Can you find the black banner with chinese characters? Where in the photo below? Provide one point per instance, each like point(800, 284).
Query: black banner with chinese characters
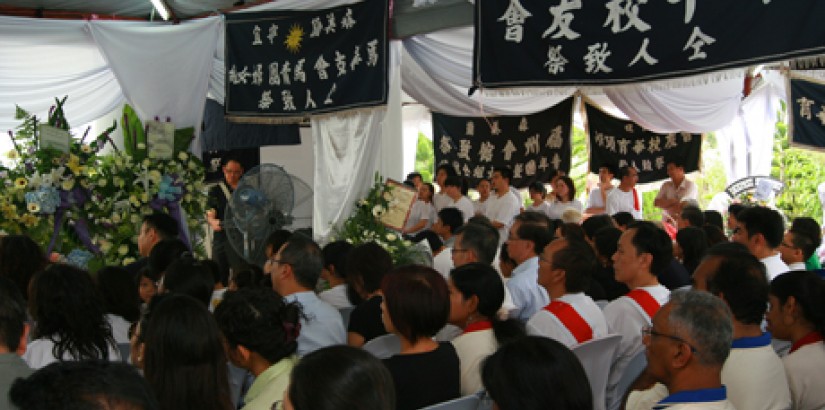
point(523, 43)
point(292, 64)
point(531, 145)
point(615, 143)
point(807, 98)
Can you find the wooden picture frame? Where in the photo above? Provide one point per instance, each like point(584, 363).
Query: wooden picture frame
point(400, 205)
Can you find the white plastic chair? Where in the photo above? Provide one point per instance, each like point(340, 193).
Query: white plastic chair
point(384, 346)
point(596, 356)
point(471, 402)
point(634, 368)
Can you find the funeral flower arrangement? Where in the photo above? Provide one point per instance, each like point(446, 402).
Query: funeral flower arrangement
point(364, 226)
point(87, 205)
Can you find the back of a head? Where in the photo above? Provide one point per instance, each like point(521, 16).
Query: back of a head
point(705, 321)
point(66, 306)
point(623, 218)
point(649, 238)
point(20, 258)
point(304, 255)
point(534, 218)
point(119, 292)
point(536, 373)
point(714, 218)
point(693, 215)
point(164, 253)
point(607, 241)
point(694, 243)
point(192, 277)
point(807, 235)
point(277, 239)
point(366, 266)
point(451, 217)
point(335, 256)
point(251, 277)
point(741, 279)
point(808, 289)
point(714, 234)
point(184, 354)
point(572, 231)
point(84, 385)
point(12, 315)
point(482, 239)
point(348, 377)
point(482, 281)
point(579, 263)
point(163, 224)
point(417, 301)
point(596, 222)
point(765, 221)
point(261, 321)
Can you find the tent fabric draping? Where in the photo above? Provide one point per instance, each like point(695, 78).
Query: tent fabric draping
point(41, 59)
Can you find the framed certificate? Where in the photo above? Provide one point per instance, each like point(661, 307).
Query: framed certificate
point(52, 137)
point(401, 202)
point(160, 138)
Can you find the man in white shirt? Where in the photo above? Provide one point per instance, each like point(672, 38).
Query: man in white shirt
point(597, 202)
point(673, 192)
point(452, 187)
point(761, 230)
point(800, 243)
point(565, 270)
point(643, 252)
point(483, 189)
point(625, 198)
point(503, 206)
point(527, 239)
point(440, 200)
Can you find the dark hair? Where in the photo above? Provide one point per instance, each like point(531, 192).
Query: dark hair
point(215, 269)
point(579, 264)
point(538, 235)
point(447, 168)
point(536, 373)
point(714, 218)
point(807, 235)
point(505, 172)
point(741, 278)
point(249, 277)
point(734, 209)
point(20, 258)
point(623, 218)
point(693, 215)
point(119, 293)
point(624, 171)
point(537, 186)
point(433, 240)
point(596, 222)
point(277, 239)
point(606, 241)
point(480, 238)
point(694, 243)
point(350, 378)
point(335, 256)
point(451, 217)
point(184, 359)
point(83, 385)
point(765, 221)
point(304, 255)
point(535, 218)
point(571, 230)
point(261, 321)
point(714, 234)
point(68, 311)
point(190, 276)
point(412, 175)
point(570, 186)
point(12, 314)
point(484, 282)
point(164, 253)
point(366, 266)
point(809, 291)
point(417, 301)
point(163, 224)
point(453, 181)
point(430, 187)
point(651, 239)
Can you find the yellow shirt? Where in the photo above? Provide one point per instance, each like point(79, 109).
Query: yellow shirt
point(270, 385)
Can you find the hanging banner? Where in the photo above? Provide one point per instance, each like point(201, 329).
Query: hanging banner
point(521, 43)
point(807, 108)
point(292, 64)
point(532, 146)
point(616, 143)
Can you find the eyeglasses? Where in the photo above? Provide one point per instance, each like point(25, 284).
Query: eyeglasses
point(647, 331)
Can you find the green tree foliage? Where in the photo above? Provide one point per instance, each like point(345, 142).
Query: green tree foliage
point(801, 170)
point(424, 158)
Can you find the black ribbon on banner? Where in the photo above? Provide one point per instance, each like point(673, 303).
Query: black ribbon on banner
point(807, 112)
point(615, 143)
point(573, 42)
point(291, 64)
point(532, 146)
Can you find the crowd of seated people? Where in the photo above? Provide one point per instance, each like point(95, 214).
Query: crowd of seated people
point(503, 315)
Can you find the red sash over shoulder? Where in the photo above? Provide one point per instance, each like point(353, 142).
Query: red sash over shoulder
point(571, 319)
point(645, 301)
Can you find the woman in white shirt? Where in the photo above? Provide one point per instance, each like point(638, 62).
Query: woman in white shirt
point(565, 198)
point(538, 194)
point(422, 212)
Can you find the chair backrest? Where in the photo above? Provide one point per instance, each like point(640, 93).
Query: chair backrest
point(596, 356)
point(345, 314)
point(471, 402)
point(634, 368)
point(384, 346)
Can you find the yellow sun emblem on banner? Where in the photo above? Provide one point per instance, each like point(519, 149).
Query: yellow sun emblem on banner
point(294, 38)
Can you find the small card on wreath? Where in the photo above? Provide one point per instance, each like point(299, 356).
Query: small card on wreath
point(53, 137)
point(160, 139)
point(401, 199)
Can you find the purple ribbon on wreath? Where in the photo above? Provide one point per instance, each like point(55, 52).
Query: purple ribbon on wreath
point(168, 197)
point(74, 197)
